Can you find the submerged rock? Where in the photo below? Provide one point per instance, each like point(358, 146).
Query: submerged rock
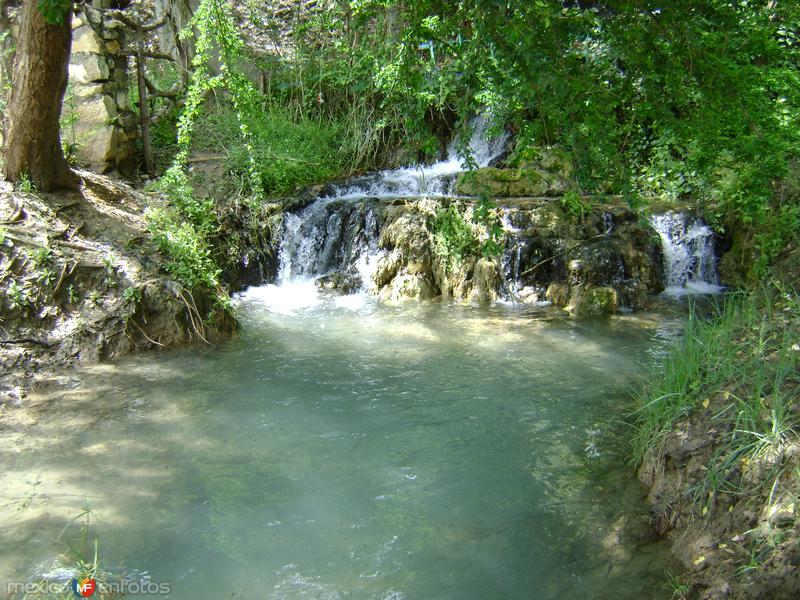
point(590, 301)
point(340, 283)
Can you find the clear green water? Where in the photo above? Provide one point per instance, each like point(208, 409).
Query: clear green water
point(358, 451)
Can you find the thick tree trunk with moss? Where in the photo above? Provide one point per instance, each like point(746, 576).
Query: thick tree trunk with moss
point(32, 140)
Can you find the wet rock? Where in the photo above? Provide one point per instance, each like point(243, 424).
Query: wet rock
point(507, 183)
point(408, 287)
point(594, 264)
point(485, 281)
point(387, 268)
point(589, 301)
point(340, 283)
point(558, 294)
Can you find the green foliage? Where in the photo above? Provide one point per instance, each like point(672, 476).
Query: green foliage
point(40, 256)
point(54, 11)
point(486, 215)
point(69, 118)
point(199, 212)
point(17, 295)
point(679, 588)
point(25, 183)
point(575, 205)
point(163, 134)
point(164, 75)
point(289, 152)
point(453, 236)
point(132, 294)
point(181, 230)
point(187, 249)
point(45, 277)
point(780, 227)
point(111, 267)
point(679, 100)
point(94, 297)
point(72, 294)
point(216, 30)
point(353, 67)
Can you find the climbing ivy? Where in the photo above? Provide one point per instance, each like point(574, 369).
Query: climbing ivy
point(213, 28)
point(182, 229)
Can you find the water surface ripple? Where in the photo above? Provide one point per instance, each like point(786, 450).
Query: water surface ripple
point(349, 450)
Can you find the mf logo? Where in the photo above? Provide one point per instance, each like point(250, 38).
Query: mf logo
point(84, 587)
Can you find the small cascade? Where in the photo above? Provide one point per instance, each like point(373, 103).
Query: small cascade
point(427, 180)
point(339, 234)
point(689, 258)
point(330, 236)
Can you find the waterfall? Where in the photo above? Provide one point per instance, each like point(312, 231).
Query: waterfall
point(689, 258)
point(427, 180)
point(340, 232)
point(329, 235)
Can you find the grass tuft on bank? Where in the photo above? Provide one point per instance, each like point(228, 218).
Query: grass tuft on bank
point(744, 351)
point(717, 438)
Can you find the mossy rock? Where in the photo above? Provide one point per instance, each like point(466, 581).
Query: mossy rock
point(558, 293)
point(589, 301)
point(555, 161)
point(508, 183)
point(735, 264)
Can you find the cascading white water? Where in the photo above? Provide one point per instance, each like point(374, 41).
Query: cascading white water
point(329, 235)
point(427, 180)
point(340, 232)
point(690, 263)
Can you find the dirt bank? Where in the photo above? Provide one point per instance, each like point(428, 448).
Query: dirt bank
point(81, 281)
point(724, 480)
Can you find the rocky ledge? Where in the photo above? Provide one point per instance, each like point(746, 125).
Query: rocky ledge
point(592, 263)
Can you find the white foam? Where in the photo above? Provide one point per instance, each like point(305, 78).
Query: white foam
point(429, 180)
point(286, 299)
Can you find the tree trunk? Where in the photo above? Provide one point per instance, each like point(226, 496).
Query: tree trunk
point(6, 59)
point(33, 140)
point(144, 105)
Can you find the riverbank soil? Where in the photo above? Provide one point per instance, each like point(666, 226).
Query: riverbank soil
point(80, 280)
point(724, 479)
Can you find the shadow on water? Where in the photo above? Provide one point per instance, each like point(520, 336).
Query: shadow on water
point(365, 452)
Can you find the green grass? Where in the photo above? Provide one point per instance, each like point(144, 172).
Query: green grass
point(81, 556)
point(679, 588)
point(738, 363)
point(289, 151)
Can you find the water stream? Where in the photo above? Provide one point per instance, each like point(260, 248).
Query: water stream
point(344, 449)
point(428, 180)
